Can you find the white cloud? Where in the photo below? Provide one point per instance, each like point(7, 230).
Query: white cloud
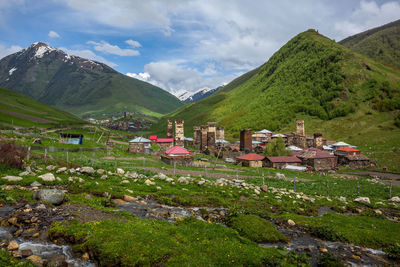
point(86, 53)
point(133, 43)
point(107, 48)
point(369, 14)
point(177, 78)
point(5, 51)
point(53, 34)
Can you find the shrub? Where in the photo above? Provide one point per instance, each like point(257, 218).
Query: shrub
point(326, 233)
point(393, 251)
point(11, 156)
point(327, 259)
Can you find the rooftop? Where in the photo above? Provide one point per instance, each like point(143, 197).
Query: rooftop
point(251, 156)
point(284, 159)
point(177, 150)
point(140, 140)
point(348, 149)
point(314, 153)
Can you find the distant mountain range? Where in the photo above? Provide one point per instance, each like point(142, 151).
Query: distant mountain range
point(190, 97)
point(381, 44)
point(81, 86)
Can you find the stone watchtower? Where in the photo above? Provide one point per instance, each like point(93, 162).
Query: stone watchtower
point(300, 127)
point(318, 141)
point(246, 141)
point(211, 135)
point(196, 136)
point(170, 131)
point(179, 134)
point(220, 133)
point(203, 139)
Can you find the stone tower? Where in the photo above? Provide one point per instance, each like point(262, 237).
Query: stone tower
point(211, 135)
point(203, 141)
point(220, 133)
point(300, 127)
point(179, 134)
point(246, 142)
point(196, 136)
point(318, 141)
point(170, 131)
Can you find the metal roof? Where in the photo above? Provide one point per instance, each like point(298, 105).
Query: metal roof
point(140, 140)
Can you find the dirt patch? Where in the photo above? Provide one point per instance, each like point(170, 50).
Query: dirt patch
point(25, 116)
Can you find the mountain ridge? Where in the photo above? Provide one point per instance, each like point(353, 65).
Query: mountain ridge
point(79, 85)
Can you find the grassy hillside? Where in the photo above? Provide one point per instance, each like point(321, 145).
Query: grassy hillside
point(80, 86)
point(19, 110)
point(310, 77)
point(381, 44)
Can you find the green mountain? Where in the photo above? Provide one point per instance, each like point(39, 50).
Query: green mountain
point(381, 44)
point(80, 86)
point(21, 111)
point(311, 78)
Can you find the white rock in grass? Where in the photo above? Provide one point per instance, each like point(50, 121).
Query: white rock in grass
point(200, 183)
point(148, 182)
point(256, 191)
point(364, 200)
point(100, 171)
point(125, 182)
point(342, 199)
point(50, 168)
point(87, 170)
point(104, 177)
point(291, 222)
point(48, 177)
point(120, 171)
point(62, 169)
point(168, 179)
point(25, 173)
point(395, 199)
point(11, 178)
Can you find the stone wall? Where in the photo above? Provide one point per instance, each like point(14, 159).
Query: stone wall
point(179, 133)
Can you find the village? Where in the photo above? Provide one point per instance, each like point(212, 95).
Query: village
point(303, 152)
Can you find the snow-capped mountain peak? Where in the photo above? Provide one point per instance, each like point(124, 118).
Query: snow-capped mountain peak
point(197, 95)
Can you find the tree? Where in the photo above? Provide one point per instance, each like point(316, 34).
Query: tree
point(276, 148)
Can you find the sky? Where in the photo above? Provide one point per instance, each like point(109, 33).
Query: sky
point(182, 45)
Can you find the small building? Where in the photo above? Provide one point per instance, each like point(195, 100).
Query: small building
point(356, 162)
point(339, 145)
point(165, 143)
point(262, 136)
point(317, 159)
point(251, 160)
point(347, 151)
point(188, 141)
point(153, 139)
point(293, 149)
point(282, 161)
point(140, 145)
point(70, 138)
point(177, 155)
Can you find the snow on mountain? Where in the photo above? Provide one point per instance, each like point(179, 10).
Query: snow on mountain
point(10, 72)
point(201, 93)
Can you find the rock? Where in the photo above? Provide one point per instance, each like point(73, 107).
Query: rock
point(125, 182)
point(256, 191)
point(364, 200)
point(356, 257)
point(158, 187)
point(35, 259)
point(36, 184)
point(169, 179)
point(129, 198)
point(26, 253)
point(104, 177)
point(379, 212)
point(41, 207)
point(342, 199)
point(200, 183)
point(264, 188)
point(395, 199)
point(129, 191)
point(148, 182)
point(162, 176)
point(50, 168)
point(25, 173)
point(53, 196)
point(35, 235)
point(80, 180)
point(280, 175)
point(183, 180)
point(48, 177)
point(72, 171)
point(100, 171)
point(87, 170)
point(59, 179)
point(13, 221)
point(118, 201)
point(11, 178)
point(120, 171)
point(13, 245)
point(62, 169)
point(323, 250)
point(85, 256)
point(291, 222)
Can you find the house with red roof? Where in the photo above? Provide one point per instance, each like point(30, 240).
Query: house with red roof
point(347, 151)
point(352, 158)
point(165, 143)
point(317, 159)
point(177, 155)
point(251, 160)
point(282, 161)
point(153, 139)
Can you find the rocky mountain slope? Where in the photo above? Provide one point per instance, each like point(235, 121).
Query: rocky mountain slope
point(81, 86)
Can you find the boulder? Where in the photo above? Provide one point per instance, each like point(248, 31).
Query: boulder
point(120, 171)
point(35, 259)
point(256, 191)
point(125, 182)
point(25, 173)
point(148, 182)
point(291, 222)
point(53, 196)
point(13, 245)
point(48, 177)
point(280, 175)
point(168, 179)
point(11, 178)
point(36, 184)
point(104, 177)
point(129, 198)
point(87, 170)
point(162, 176)
point(200, 183)
point(364, 200)
point(62, 169)
point(50, 168)
point(100, 171)
point(118, 201)
point(264, 188)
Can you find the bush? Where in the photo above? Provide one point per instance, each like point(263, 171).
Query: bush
point(330, 260)
point(393, 251)
point(326, 233)
point(11, 156)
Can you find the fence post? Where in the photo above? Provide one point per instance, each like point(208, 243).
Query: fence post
point(174, 168)
point(45, 155)
point(237, 174)
point(358, 188)
point(115, 163)
point(205, 171)
point(390, 189)
point(93, 159)
point(29, 154)
point(144, 164)
point(327, 188)
point(294, 184)
point(263, 178)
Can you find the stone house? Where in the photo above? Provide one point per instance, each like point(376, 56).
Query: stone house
point(177, 155)
point(282, 162)
point(140, 145)
point(251, 160)
point(356, 162)
point(165, 143)
point(317, 159)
